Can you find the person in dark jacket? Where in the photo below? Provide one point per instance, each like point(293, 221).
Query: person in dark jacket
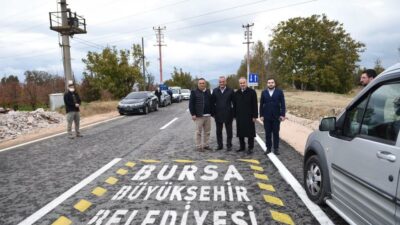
point(272, 112)
point(246, 113)
point(222, 108)
point(200, 109)
point(72, 102)
point(169, 91)
point(157, 93)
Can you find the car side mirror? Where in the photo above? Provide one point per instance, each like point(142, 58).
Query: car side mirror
point(328, 124)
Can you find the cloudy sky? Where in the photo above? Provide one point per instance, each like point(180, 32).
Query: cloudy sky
point(203, 37)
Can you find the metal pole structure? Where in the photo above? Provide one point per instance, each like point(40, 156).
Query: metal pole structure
point(160, 40)
point(247, 35)
point(144, 65)
point(65, 45)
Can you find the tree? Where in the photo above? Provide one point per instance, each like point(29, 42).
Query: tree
point(38, 86)
point(115, 71)
point(314, 53)
point(259, 64)
point(88, 90)
point(232, 81)
point(378, 66)
point(180, 78)
point(10, 92)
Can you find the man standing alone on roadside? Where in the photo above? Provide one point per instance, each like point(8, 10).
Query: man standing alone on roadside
point(272, 112)
point(72, 103)
point(222, 107)
point(367, 76)
point(200, 109)
point(158, 94)
point(246, 113)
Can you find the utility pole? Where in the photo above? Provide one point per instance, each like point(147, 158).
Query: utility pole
point(144, 65)
point(160, 42)
point(67, 24)
point(248, 35)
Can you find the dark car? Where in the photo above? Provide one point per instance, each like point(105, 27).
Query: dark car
point(138, 102)
point(165, 99)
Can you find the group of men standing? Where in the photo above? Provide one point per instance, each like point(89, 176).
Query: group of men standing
point(225, 105)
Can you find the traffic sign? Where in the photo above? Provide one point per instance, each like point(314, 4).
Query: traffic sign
point(253, 79)
point(163, 87)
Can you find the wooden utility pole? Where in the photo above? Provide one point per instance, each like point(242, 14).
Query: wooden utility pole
point(248, 36)
point(160, 43)
point(144, 65)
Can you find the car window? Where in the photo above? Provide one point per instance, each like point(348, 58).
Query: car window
point(137, 95)
point(353, 119)
point(382, 114)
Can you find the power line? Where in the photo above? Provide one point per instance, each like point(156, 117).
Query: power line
point(143, 12)
point(231, 18)
point(188, 18)
point(89, 43)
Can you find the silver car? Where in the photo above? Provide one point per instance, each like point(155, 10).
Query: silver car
point(352, 162)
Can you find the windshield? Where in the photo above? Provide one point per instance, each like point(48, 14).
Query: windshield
point(137, 95)
point(175, 91)
point(185, 91)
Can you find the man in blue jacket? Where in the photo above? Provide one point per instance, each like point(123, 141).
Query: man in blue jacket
point(272, 112)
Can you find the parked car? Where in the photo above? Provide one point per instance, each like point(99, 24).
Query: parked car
point(352, 162)
point(138, 102)
point(186, 94)
point(176, 95)
point(165, 99)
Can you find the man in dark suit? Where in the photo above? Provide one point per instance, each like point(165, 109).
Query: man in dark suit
point(246, 113)
point(272, 112)
point(222, 108)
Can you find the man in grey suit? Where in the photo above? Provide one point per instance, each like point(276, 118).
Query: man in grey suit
point(222, 108)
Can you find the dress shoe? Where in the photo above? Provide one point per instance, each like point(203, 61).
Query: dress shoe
point(207, 148)
point(198, 149)
point(240, 150)
point(276, 152)
point(250, 151)
point(219, 148)
point(229, 148)
point(79, 135)
point(267, 152)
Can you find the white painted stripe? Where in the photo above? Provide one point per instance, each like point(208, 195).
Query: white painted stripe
point(55, 135)
point(169, 123)
point(53, 204)
point(296, 186)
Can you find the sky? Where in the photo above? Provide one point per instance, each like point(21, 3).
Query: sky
point(203, 37)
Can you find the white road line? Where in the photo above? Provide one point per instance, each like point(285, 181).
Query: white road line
point(170, 122)
point(53, 204)
point(289, 178)
point(55, 135)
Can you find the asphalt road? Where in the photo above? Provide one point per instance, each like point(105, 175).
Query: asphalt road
point(129, 171)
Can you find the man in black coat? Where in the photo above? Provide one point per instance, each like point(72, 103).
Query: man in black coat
point(72, 102)
point(272, 112)
point(246, 113)
point(222, 107)
point(157, 93)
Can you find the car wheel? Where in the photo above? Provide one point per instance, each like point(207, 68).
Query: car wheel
point(314, 180)
point(146, 110)
point(120, 113)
